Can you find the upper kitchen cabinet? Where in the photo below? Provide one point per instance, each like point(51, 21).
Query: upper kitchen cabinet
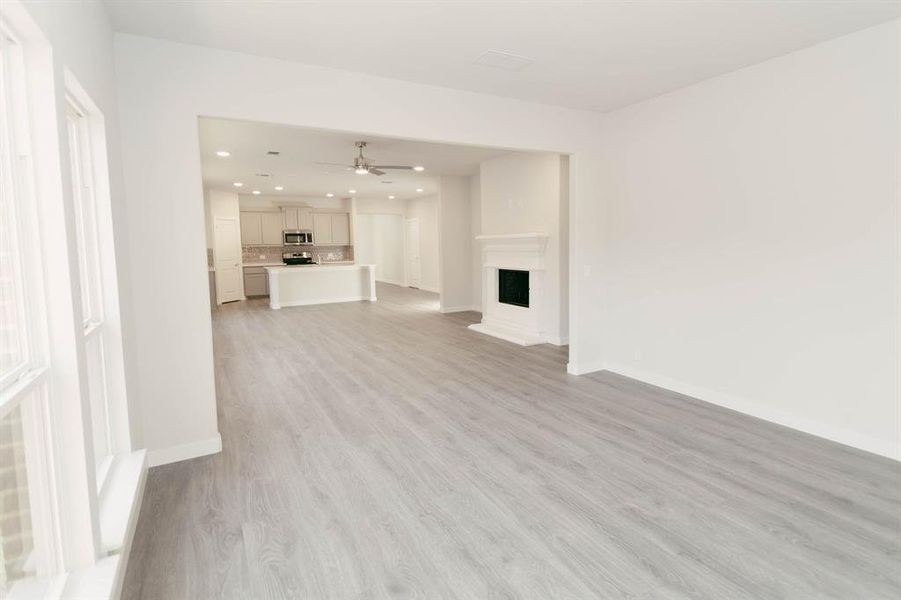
point(322, 228)
point(331, 229)
point(273, 225)
point(341, 229)
point(262, 228)
point(251, 229)
point(298, 217)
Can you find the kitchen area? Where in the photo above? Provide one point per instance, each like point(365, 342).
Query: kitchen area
point(285, 249)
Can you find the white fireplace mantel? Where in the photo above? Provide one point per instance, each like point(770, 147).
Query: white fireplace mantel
point(522, 252)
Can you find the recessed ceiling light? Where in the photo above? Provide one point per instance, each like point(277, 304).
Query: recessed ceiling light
point(255, 192)
point(390, 197)
point(223, 153)
point(351, 191)
point(279, 188)
point(420, 190)
point(238, 184)
point(419, 168)
point(330, 195)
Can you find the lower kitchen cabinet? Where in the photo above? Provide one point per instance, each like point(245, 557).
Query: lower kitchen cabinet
point(256, 281)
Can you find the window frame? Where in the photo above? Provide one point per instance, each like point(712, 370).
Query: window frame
point(27, 387)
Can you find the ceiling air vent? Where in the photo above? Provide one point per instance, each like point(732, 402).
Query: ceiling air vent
point(503, 60)
point(273, 153)
point(263, 175)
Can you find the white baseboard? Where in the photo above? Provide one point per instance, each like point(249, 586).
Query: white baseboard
point(558, 340)
point(428, 289)
point(164, 456)
point(457, 309)
point(391, 281)
point(584, 367)
point(841, 435)
point(506, 333)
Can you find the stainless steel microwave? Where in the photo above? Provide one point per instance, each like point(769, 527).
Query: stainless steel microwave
point(298, 237)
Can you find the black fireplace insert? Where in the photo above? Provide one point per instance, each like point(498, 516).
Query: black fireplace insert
point(513, 287)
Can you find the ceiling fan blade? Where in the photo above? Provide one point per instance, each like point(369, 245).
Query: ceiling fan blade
point(375, 171)
point(390, 167)
point(334, 164)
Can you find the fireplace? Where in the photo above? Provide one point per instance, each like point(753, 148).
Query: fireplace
point(513, 287)
point(514, 307)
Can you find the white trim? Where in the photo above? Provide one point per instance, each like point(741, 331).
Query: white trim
point(557, 340)
point(456, 309)
point(391, 281)
point(841, 435)
point(117, 501)
point(164, 456)
point(425, 289)
point(575, 368)
point(508, 333)
point(533, 235)
point(130, 527)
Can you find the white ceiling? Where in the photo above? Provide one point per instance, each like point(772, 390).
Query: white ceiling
point(592, 55)
point(300, 149)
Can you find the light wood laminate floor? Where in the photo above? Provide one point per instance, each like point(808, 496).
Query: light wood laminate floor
point(385, 451)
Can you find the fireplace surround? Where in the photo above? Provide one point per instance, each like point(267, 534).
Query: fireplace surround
point(513, 271)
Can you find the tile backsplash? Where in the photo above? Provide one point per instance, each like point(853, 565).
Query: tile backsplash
point(258, 254)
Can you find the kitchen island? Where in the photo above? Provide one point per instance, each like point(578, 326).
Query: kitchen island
point(301, 285)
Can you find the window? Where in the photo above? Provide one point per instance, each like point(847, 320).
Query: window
point(84, 200)
point(28, 539)
point(63, 411)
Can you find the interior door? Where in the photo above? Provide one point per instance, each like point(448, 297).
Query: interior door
point(227, 260)
point(414, 263)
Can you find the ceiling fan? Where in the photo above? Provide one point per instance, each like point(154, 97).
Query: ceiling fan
point(364, 166)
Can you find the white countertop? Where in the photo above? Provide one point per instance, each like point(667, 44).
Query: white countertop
point(323, 267)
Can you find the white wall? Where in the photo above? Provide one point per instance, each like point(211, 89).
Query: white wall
point(381, 206)
point(426, 210)
point(734, 123)
point(272, 202)
point(380, 241)
point(187, 81)
point(475, 225)
point(521, 193)
point(752, 240)
point(455, 242)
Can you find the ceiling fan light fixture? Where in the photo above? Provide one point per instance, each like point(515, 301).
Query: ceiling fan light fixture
point(361, 171)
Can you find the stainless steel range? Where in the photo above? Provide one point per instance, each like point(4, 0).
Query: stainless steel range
point(297, 258)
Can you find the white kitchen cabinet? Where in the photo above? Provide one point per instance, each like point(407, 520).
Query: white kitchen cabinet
point(341, 229)
point(305, 217)
point(322, 229)
point(290, 213)
point(262, 228)
point(256, 281)
point(251, 229)
point(272, 224)
point(298, 217)
point(331, 229)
